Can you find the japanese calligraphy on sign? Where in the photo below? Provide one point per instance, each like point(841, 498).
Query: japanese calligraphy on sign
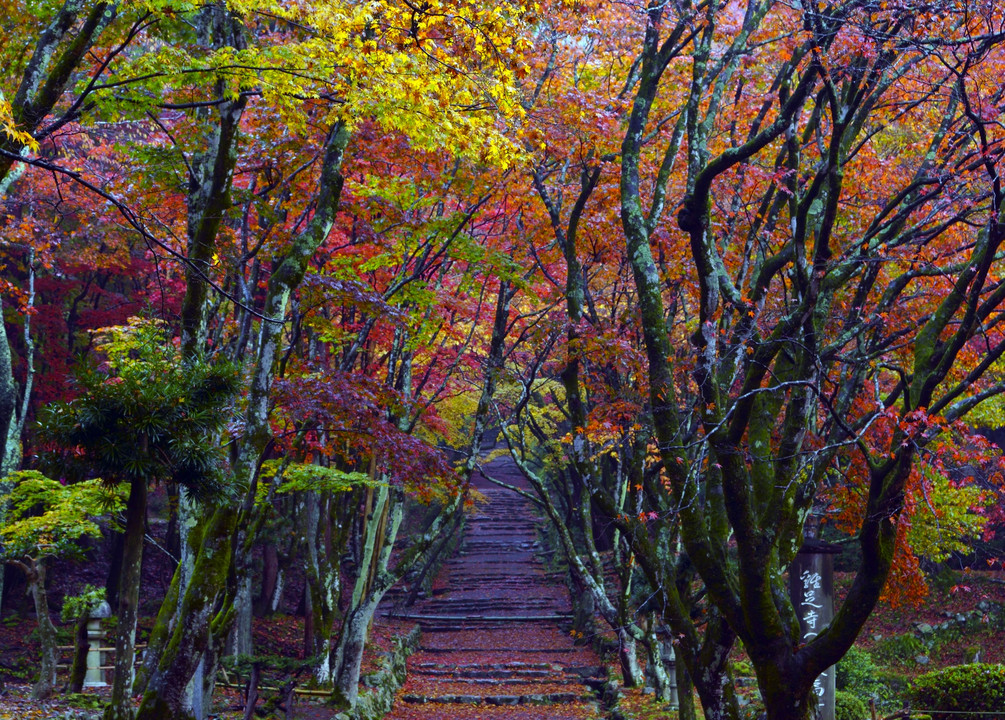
point(811, 591)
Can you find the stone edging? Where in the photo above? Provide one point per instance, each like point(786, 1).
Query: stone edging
point(381, 686)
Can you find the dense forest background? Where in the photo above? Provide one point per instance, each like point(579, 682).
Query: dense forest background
point(717, 277)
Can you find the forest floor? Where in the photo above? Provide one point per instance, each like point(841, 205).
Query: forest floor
point(492, 646)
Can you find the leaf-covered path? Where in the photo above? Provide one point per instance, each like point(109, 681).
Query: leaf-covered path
point(491, 646)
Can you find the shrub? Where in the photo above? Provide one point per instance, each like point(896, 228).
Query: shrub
point(892, 686)
point(856, 672)
point(743, 668)
point(849, 707)
point(900, 649)
point(979, 687)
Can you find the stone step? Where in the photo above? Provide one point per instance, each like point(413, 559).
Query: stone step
point(529, 699)
point(537, 670)
point(547, 679)
point(513, 665)
point(532, 651)
point(492, 642)
point(487, 673)
point(482, 618)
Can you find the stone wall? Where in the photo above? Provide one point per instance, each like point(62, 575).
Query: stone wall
point(379, 688)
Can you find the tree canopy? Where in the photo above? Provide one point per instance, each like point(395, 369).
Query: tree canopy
point(726, 276)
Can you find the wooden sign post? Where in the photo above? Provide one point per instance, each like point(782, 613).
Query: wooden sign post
point(811, 588)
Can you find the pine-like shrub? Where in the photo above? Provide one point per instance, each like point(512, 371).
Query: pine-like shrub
point(849, 707)
point(978, 687)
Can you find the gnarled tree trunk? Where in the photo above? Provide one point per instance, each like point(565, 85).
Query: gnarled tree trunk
point(120, 704)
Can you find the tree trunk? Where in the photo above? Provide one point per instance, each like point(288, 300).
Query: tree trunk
point(120, 704)
point(660, 667)
point(310, 640)
point(712, 676)
point(379, 531)
point(349, 656)
point(321, 577)
point(263, 604)
point(631, 673)
point(251, 692)
point(685, 695)
point(81, 645)
point(172, 539)
point(420, 578)
point(584, 606)
point(783, 699)
point(11, 420)
point(8, 400)
point(192, 521)
point(240, 640)
point(113, 580)
point(276, 597)
point(160, 634)
point(168, 693)
point(46, 633)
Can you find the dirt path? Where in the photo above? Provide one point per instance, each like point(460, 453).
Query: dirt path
point(491, 646)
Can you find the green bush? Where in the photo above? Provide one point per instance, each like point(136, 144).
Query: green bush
point(858, 674)
point(979, 687)
point(892, 686)
point(900, 649)
point(743, 668)
point(849, 707)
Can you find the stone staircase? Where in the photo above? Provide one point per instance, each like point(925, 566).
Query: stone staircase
point(491, 643)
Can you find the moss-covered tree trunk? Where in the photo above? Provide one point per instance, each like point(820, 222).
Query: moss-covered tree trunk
point(167, 695)
point(81, 646)
point(35, 572)
point(14, 405)
point(120, 704)
point(160, 633)
point(320, 565)
point(685, 694)
point(349, 654)
point(8, 401)
point(631, 671)
point(204, 612)
point(660, 672)
point(380, 530)
point(711, 674)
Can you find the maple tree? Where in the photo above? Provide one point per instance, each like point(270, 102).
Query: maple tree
point(806, 347)
point(44, 521)
point(602, 469)
point(32, 108)
point(718, 270)
point(207, 596)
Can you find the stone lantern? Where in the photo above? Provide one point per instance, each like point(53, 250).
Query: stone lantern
point(95, 676)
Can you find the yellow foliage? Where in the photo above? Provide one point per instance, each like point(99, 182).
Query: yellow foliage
point(9, 126)
point(946, 519)
point(441, 74)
